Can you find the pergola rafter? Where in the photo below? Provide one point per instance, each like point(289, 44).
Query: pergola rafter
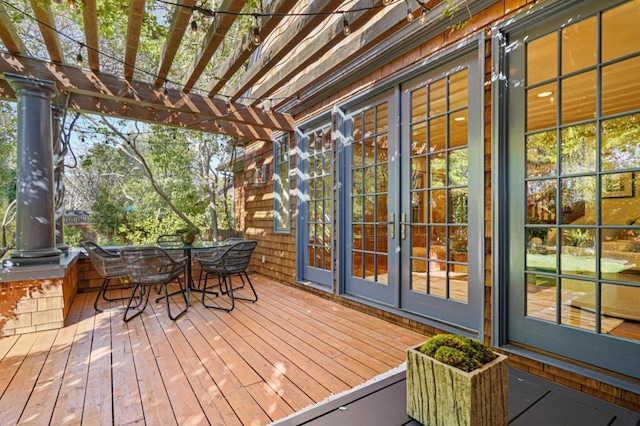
point(91, 33)
point(283, 45)
point(136, 12)
point(8, 33)
point(179, 25)
point(42, 12)
point(246, 48)
point(215, 35)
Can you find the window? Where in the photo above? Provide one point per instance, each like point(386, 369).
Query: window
point(281, 185)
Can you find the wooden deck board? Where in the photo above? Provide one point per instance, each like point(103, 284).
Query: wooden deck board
point(257, 364)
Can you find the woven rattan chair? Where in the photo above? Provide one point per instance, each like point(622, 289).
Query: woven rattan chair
point(149, 266)
point(109, 266)
point(224, 262)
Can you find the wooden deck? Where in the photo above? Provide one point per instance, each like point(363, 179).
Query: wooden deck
point(257, 364)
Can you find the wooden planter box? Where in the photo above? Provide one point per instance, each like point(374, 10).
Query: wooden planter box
point(438, 394)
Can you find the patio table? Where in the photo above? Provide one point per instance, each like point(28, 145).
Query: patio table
point(187, 250)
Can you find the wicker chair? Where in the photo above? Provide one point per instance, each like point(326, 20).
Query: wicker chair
point(109, 266)
point(223, 262)
point(149, 266)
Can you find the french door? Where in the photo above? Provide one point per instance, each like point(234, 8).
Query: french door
point(414, 196)
point(315, 209)
point(573, 140)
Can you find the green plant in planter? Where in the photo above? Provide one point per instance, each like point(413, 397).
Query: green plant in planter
point(458, 351)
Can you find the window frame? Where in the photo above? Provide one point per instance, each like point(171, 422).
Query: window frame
point(279, 188)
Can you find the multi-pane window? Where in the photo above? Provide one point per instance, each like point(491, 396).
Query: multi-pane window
point(439, 187)
point(369, 192)
point(320, 210)
point(582, 136)
point(281, 185)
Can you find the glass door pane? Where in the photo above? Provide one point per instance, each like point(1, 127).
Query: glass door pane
point(370, 176)
point(318, 261)
point(579, 139)
point(435, 219)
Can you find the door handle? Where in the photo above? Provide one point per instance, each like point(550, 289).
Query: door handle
point(403, 226)
point(392, 223)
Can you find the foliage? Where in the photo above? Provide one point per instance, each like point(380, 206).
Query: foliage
point(464, 353)
point(72, 236)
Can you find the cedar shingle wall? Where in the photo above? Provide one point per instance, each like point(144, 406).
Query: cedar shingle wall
point(279, 250)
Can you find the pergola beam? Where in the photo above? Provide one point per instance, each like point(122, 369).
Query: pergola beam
point(42, 12)
point(179, 24)
point(284, 44)
point(90, 18)
point(246, 47)
point(215, 35)
point(136, 12)
point(112, 108)
point(8, 33)
point(317, 47)
point(104, 86)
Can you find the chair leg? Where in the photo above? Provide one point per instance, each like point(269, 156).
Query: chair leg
point(166, 295)
point(101, 291)
point(255, 295)
point(143, 291)
point(205, 292)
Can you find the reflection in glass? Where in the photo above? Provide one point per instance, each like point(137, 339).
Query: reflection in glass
point(419, 138)
point(438, 170)
point(437, 279)
point(381, 268)
point(418, 240)
point(542, 154)
point(418, 172)
point(579, 45)
point(382, 149)
point(437, 134)
point(437, 239)
point(541, 107)
point(356, 161)
point(357, 127)
point(368, 123)
point(369, 152)
point(458, 205)
point(438, 206)
point(578, 198)
point(382, 182)
point(437, 97)
point(357, 187)
point(458, 92)
point(620, 254)
point(381, 239)
point(381, 210)
point(458, 283)
point(356, 266)
point(369, 266)
point(458, 167)
point(578, 252)
point(382, 118)
point(458, 129)
point(541, 201)
point(620, 30)
point(572, 292)
point(458, 243)
point(418, 105)
point(541, 297)
point(542, 59)
point(419, 277)
point(617, 96)
point(579, 97)
point(619, 303)
point(356, 211)
point(620, 143)
point(578, 147)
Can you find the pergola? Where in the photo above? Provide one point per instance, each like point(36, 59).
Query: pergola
point(222, 107)
point(303, 48)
